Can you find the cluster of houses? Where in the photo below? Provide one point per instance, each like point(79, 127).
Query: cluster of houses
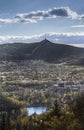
point(32, 82)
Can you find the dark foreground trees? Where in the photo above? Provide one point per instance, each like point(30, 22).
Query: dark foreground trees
point(78, 109)
point(55, 119)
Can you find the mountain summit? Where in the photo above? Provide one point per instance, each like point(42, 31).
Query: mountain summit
point(45, 41)
point(43, 50)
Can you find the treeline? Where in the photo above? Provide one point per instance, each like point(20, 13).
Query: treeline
point(8, 104)
point(69, 118)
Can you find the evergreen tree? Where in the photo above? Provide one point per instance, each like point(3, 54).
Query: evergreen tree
point(56, 109)
point(3, 122)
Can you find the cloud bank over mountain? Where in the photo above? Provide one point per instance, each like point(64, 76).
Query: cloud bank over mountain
point(66, 38)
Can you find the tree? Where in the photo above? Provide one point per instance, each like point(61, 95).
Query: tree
point(3, 122)
point(56, 109)
point(78, 109)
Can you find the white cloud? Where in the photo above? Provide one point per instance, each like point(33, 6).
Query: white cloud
point(33, 17)
point(5, 21)
point(50, 13)
point(78, 26)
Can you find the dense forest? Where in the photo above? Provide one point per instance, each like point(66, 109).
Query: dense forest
point(71, 117)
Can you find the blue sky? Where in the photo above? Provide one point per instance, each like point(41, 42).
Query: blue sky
point(60, 21)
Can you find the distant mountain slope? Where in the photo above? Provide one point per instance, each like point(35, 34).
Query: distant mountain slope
point(16, 51)
point(44, 50)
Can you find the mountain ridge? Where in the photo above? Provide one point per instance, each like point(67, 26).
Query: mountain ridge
point(43, 50)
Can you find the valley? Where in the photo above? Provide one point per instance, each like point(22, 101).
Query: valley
point(41, 86)
point(38, 83)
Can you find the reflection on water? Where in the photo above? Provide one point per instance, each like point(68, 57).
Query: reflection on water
point(37, 110)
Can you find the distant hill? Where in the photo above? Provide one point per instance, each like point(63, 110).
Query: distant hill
point(43, 50)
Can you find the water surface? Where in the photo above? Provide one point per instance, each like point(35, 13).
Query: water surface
point(37, 110)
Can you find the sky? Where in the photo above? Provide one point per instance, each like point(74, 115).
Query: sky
point(60, 21)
